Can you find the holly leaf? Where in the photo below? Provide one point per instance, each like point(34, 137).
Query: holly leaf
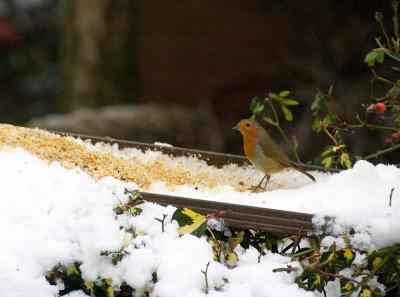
point(190, 221)
point(346, 286)
point(345, 160)
point(89, 285)
point(316, 282)
point(231, 259)
point(327, 162)
point(346, 257)
point(365, 292)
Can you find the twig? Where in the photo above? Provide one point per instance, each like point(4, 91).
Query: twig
point(337, 275)
point(387, 97)
point(283, 134)
point(162, 222)
point(303, 253)
point(206, 276)
point(331, 137)
point(391, 288)
point(390, 198)
point(382, 152)
point(382, 79)
point(297, 240)
point(287, 269)
point(379, 19)
point(365, 125)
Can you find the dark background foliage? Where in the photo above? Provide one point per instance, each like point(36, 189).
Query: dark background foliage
point(208, 57)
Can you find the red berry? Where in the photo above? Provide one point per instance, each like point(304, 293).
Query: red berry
point(380, 107)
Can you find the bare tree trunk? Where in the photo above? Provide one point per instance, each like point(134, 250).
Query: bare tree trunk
point(97, 59)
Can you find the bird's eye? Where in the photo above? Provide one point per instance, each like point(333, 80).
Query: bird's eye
point(247, 124)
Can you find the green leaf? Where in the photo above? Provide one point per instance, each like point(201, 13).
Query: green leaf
point(377, 292)
point(256, 107)
point(316, 282)
point(288, 102)
point(71, 270)
point(347, 255)
point(337, 148)
point(231, 259)
point(190, 221)
point(346, 286)
point(370, 58)
point(327, 151)
point(327, 162)
point(89, 285)
point(287, 113)
point(328, 119)
point(376, 55)
point(365, 292)
point(316, 103)
point(110, 292)
point(274, 96)
point(235, 241)
point(345, 160)
point(380, 57)
point(284, 93)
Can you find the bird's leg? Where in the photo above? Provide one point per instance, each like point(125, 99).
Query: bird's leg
point(266, 182)
point(259, 187)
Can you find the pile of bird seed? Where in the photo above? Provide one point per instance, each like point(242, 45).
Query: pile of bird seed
point(131, 165)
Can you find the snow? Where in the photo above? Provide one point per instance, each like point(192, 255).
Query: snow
point(357, 199)
point(51, 215)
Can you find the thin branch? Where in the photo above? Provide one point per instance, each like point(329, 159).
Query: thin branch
point(283, 134)
point(337, 275)
point(162, 222)
point(381, 78)
point(382, 152)
point(331, 137)
point(296, 242)
point(390, 199)
point(387, 97)
point(206, 276)
point(368, 126)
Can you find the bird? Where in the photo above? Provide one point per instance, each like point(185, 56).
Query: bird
point(263, 152)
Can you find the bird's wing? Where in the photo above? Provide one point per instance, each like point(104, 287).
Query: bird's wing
point(271, 150)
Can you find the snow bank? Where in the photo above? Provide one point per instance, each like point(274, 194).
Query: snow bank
point(357, 199)
point(51, 215)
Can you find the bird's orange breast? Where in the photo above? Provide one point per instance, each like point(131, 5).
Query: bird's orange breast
point(249, 143)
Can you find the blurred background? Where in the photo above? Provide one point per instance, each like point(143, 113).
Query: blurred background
point(181, 72)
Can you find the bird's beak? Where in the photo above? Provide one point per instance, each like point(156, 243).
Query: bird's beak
point(235, 128)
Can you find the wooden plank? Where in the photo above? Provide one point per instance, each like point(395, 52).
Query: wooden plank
point(212, 158)
point(243, 216)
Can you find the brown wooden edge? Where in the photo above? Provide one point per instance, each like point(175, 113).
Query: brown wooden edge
point(241, 216)
point(212, 158)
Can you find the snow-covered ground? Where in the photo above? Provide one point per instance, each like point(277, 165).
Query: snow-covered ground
point(51, 215)
point(358, 199)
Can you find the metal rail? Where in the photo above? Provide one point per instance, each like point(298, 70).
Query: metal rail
point(236, 215)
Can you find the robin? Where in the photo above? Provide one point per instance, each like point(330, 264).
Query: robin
point(263, 152)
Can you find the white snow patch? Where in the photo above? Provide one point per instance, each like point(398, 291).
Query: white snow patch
point(51, 215)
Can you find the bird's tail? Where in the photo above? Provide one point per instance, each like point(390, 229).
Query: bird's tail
point(304, 172)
